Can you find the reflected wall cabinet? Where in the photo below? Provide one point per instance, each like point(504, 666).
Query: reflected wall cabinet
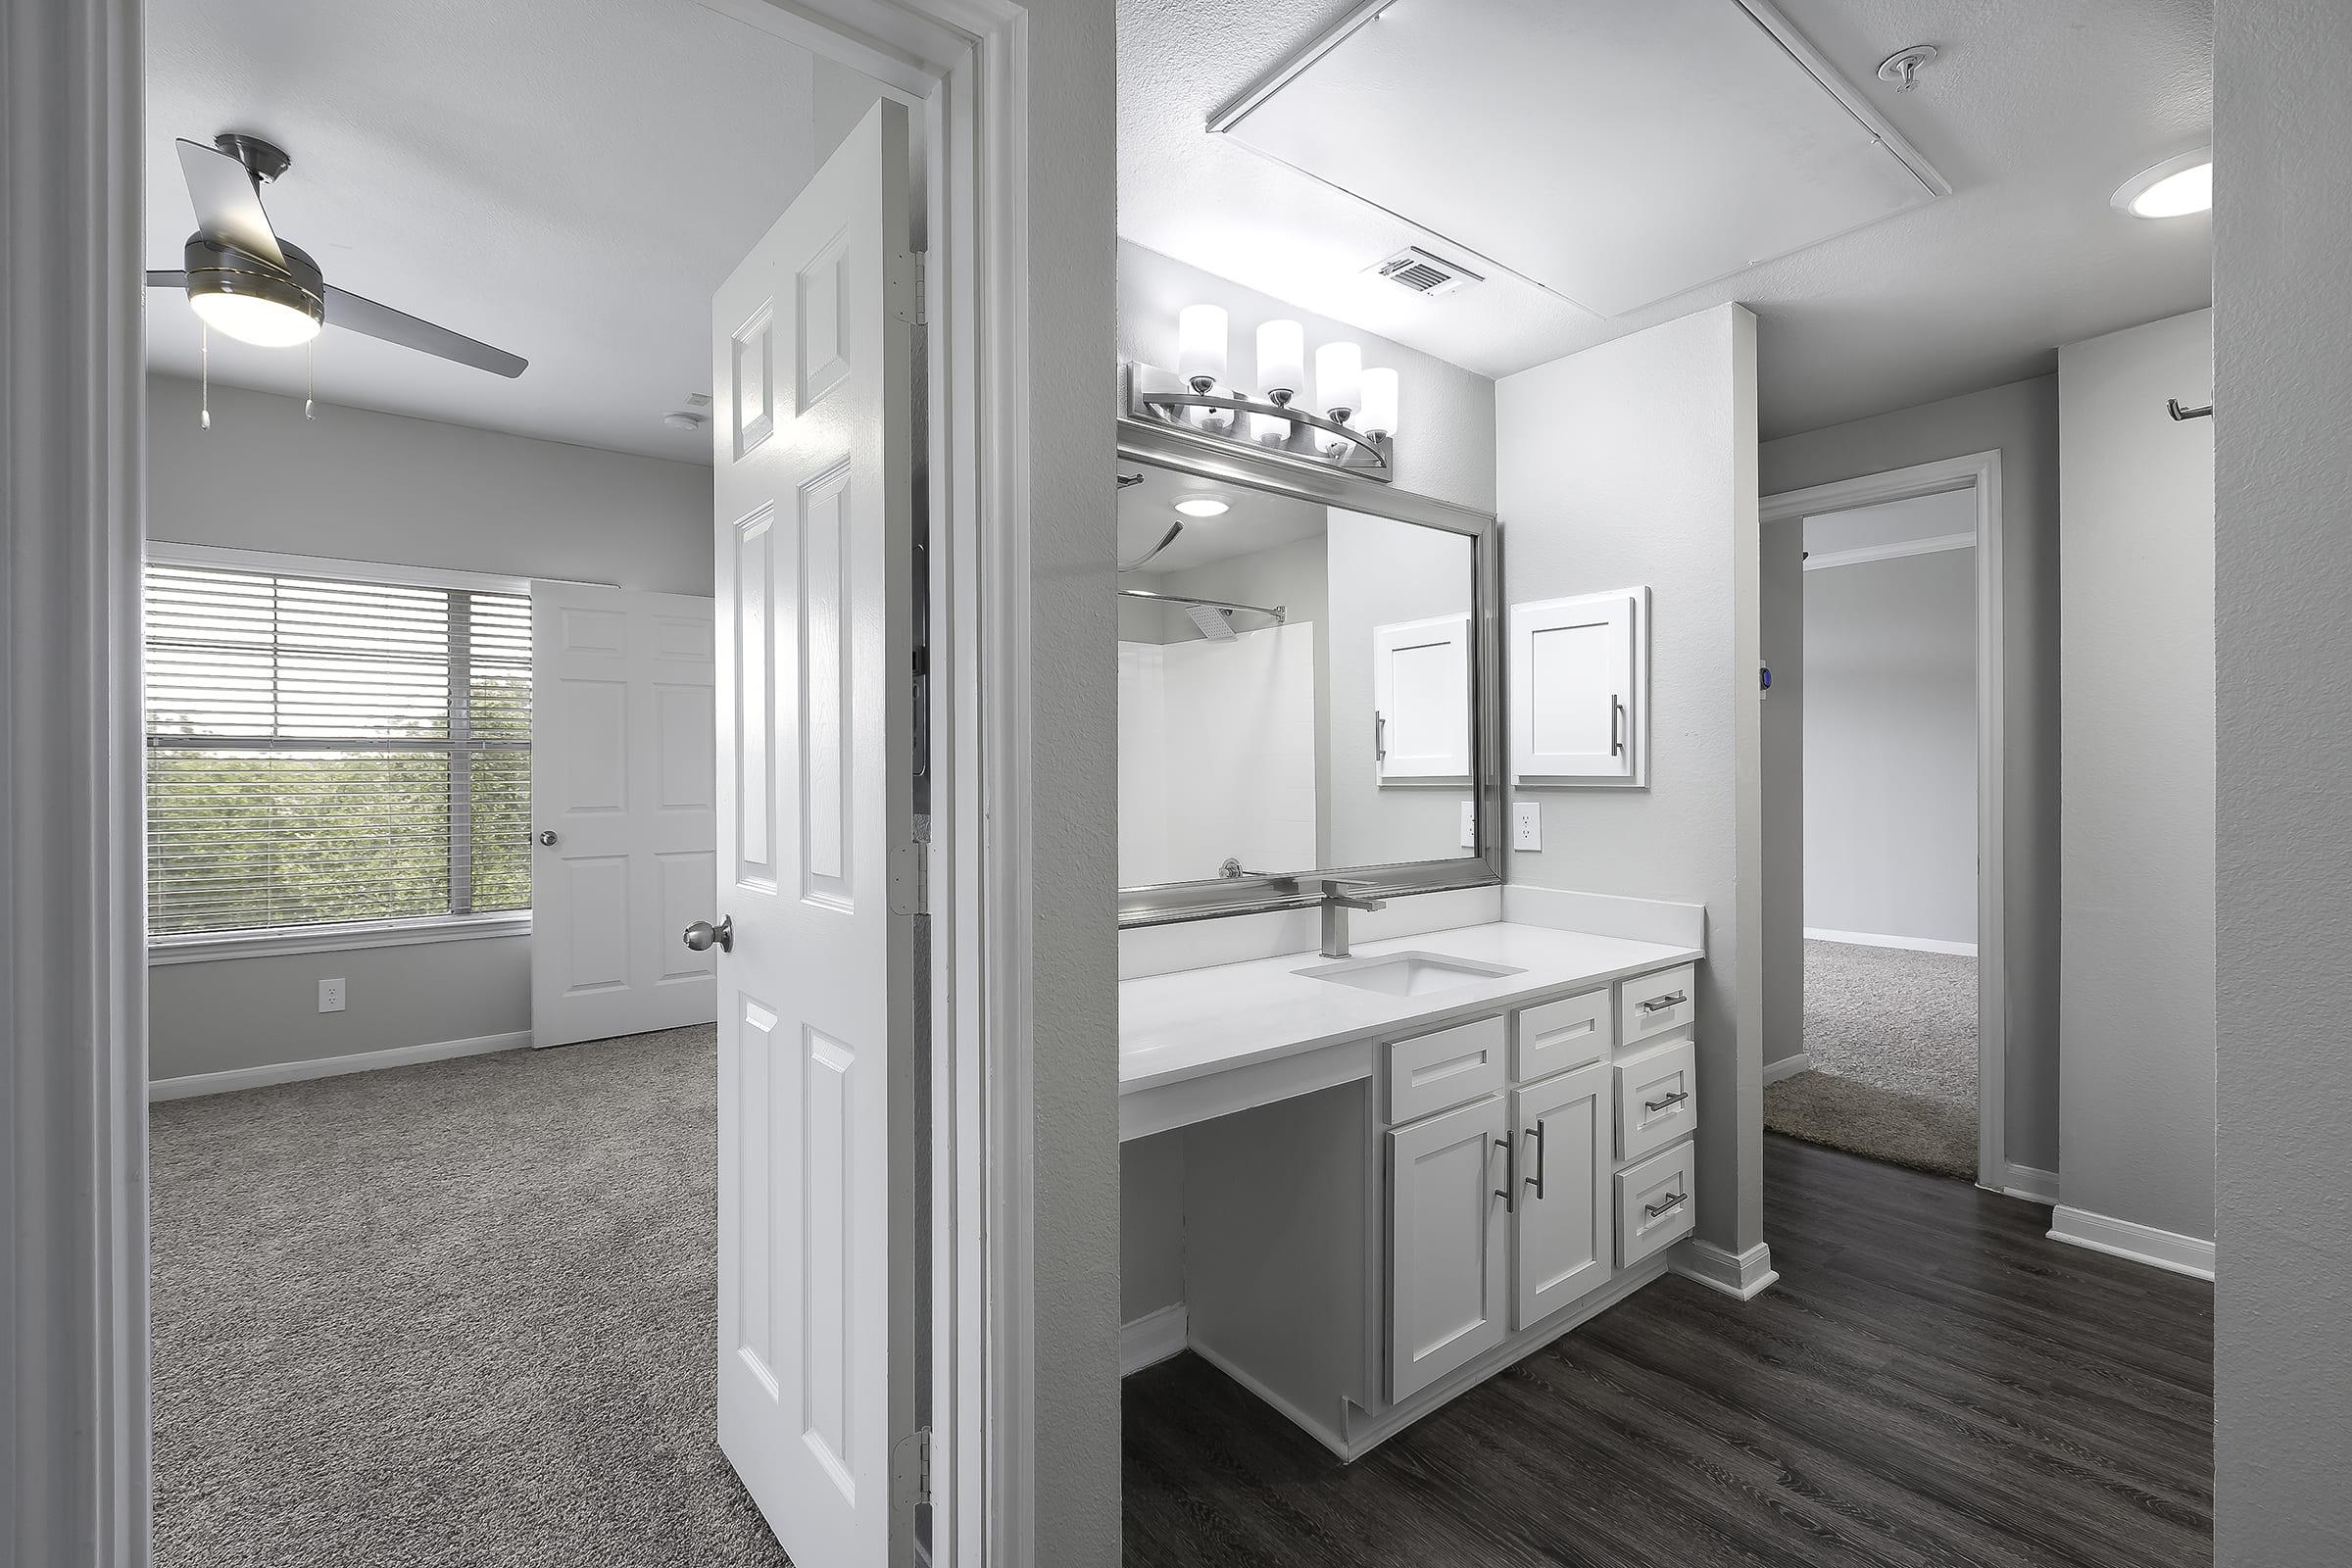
point(1421, 701)
point(1580, 690)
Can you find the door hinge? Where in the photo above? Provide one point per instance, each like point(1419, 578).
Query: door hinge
point(907, 281)
point(910, 873)
point(911, 1470)
point(923, 288)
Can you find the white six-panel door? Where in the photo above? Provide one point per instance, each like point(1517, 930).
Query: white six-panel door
point(622, 821)
point(812, 351)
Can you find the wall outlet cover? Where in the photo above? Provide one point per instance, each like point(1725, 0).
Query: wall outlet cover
point(1526, 824)
point(330, 996)
point(1469, 824)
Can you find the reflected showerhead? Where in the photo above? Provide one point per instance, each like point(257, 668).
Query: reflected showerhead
point(1216, 624)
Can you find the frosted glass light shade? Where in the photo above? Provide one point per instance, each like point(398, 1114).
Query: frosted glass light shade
point(1281, 357)
point(1201, 343)
point(251, 318)
point(1268, 430)
point(1339, 378)
point(1378, 412)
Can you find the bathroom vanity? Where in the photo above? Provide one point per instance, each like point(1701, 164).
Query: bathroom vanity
point(1406, 1169)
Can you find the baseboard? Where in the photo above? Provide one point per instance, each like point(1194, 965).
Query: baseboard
point(1298, 1418)
point(1152, 1339)
point(2034, 1186)
point(1787, 1067)
point(1744, 1275)
point(2123, 1238)
point(1607, 914)
point(288, 1072)
point(1873, 939)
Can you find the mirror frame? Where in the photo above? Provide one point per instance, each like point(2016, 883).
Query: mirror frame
point(1214, 898)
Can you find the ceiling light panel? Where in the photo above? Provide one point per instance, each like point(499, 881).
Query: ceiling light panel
point(1615, 152)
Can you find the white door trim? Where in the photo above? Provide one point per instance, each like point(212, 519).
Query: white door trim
point(1980, 471)
point(74, 1455)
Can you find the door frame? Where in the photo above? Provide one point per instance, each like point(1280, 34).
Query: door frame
point(75, 1453)
point(1980, 471)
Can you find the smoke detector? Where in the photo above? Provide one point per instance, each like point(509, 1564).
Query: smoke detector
point(1424, 274)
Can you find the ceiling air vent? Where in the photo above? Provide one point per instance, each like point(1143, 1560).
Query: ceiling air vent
point(1415, 269)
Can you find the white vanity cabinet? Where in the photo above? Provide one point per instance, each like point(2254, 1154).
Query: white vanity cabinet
point(1560, 1245)
point(1447, 1242)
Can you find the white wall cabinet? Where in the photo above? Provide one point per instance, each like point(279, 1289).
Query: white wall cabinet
point(1560, 1239)
point(1580, 709)
point(1421, 701)
point(1448, 1228)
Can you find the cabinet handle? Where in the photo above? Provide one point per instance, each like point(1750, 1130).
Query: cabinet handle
point(1664, 1206)
point(1510, 1165)
point(1616, 714)
point(1662, 1003)
point(1380, 736)
point(1675, 1099)
point(1537, 1179)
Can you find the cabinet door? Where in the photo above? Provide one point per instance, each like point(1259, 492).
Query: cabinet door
point(1421, 700)
point(1577, 709)
point(1448, 1228)
point(1560, 1236)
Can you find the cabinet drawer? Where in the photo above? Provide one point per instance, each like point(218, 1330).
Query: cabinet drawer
point(1654, 1004)
point(1559, 1035)
point(1653, 1204)
point(1451, 1067)
point(1657, 1097)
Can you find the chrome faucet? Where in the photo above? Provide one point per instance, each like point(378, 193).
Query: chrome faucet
point(1337, 899)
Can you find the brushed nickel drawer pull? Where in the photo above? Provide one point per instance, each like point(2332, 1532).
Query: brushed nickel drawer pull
point(1665, 1206)
point(1662, 1003)
point(1675, 1099)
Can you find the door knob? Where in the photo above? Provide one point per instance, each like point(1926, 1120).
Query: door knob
point(701, 934)
point(548, 837)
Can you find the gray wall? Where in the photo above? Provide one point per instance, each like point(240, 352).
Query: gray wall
point(1634, 463)
point(2282, 1357)
point(1445, 443)
point(1780, 946)
point(363, 486)
point(1889, 699)
point(2135, 655)
point(2021, 421)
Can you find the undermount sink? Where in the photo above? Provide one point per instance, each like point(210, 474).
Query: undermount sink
point(1407, 974)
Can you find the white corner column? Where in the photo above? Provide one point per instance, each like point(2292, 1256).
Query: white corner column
point(73, 1453)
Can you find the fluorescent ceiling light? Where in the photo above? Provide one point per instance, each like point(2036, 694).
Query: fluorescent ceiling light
point(1202, 507)
point(2173, 188)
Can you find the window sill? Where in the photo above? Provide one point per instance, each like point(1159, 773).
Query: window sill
point(219, 947)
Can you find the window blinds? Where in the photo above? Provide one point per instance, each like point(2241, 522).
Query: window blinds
point(323, 751)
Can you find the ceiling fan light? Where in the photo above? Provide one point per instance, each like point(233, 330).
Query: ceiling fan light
point(254, 319)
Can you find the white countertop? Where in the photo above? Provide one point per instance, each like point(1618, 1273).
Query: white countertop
point(1195, 1022)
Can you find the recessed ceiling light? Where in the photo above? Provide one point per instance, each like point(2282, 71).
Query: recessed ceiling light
point(2173, 188)
point(1202, 507)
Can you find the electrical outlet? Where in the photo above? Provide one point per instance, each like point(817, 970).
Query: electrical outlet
point(1469, 824)
point(330, 996)
point(1526, 824)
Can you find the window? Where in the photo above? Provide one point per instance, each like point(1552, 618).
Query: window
point(323, 751)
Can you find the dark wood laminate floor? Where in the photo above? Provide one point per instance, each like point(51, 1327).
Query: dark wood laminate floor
point(1933, 1381)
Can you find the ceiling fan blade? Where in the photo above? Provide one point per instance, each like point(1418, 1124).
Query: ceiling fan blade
point(228, 207)
point(167, 280)
point(356, 314)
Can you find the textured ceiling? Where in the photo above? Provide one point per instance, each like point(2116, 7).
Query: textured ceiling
point(538, 174)
point(2034, 111)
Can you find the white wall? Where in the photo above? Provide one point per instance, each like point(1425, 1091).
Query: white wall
point(1634, 463)
point(2282, 1349)
point(1889, 711)
point(2136, 1016)
point(363, 486)
point(2020, 423)
point(1446, 440)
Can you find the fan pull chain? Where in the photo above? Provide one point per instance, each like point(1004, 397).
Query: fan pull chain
point(203, 384)
point(309, 379)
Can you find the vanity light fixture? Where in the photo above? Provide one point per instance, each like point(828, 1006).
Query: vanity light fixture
point(1202, 507)
point(2173, 188)
point(1355, 430)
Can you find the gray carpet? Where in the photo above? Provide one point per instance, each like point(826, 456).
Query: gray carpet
point(1892, 1035)
point(456, 1315)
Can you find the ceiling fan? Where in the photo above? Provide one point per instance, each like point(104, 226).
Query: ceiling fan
point(256, 287)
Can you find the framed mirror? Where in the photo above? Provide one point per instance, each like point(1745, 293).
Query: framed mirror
point(1309, 684)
